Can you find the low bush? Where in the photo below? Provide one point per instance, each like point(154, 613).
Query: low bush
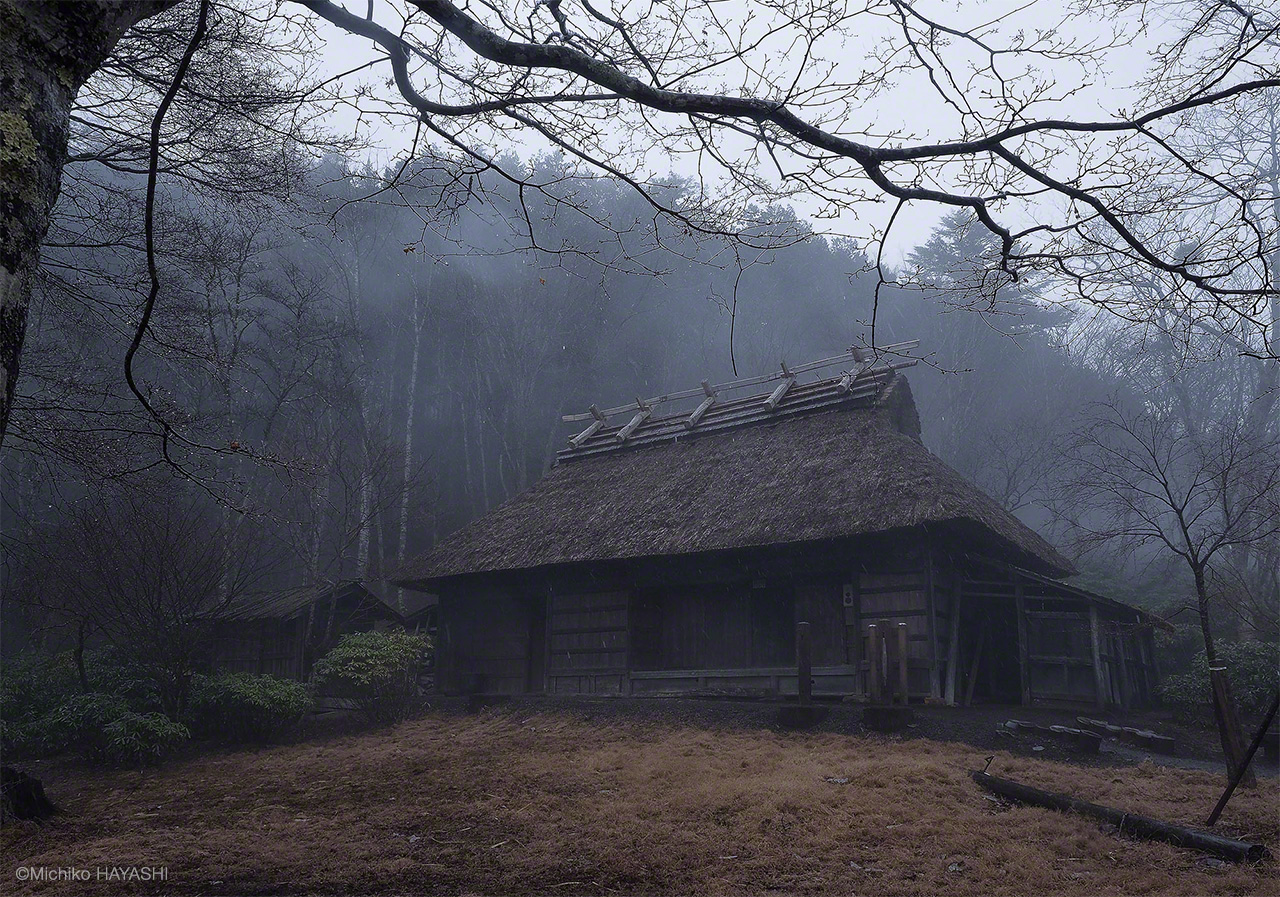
point(111, 672)
point(138, 738)
point(44, 710)
point(31, 688)
point(242, 707)
point(1253, 669)
point(376, 670)
point(103, 729)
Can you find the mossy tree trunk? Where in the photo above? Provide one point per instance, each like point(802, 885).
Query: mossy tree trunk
point(47, 51)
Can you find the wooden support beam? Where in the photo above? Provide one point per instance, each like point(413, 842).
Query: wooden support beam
point(1121, 649)
point(804, 664)
point(973, 667)
point(931, 605)
point(1095, 646)
point(953, 650)
point(1238, 775)
point(702, 409)
point(600, 421)
point(641, 417)
point(873, 663)
point(895, 348)
point(1024, 667)
point(586, 434)
point(775, 397)
point(904, 683)
point(692, 420)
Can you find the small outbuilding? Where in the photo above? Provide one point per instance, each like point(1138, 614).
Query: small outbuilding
point(283, 633)
point(675, 553)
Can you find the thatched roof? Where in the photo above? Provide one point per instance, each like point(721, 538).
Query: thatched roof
point(854, 469)
point(378, 597)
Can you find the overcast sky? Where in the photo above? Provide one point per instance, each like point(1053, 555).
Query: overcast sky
point(911, 108)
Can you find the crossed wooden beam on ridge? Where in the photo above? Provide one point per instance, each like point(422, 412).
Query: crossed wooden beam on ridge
point(643, 409)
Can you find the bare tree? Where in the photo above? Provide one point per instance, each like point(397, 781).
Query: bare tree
point(614, 87)
point(148, 570)
point(755, 98)
point(1138, 478)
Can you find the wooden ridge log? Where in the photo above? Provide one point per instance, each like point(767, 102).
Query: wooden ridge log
point(1129, 823)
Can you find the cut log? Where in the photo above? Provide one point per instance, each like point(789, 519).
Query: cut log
point(1143, 738)
point(1128, 823)
point(1082, 740)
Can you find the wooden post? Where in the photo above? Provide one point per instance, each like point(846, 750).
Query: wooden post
point(903, 680)
point(873, 663)
point(973, 667)
point(1095, 644)
point(1119, 641)
point(953, 650)
point(1238, 774)
point(1024, 666)
point(1228, 723)
point(931, 605)
point(804, 663)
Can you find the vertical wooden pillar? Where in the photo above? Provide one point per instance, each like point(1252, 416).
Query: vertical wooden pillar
point(625, 683)
point(904, 680)
point(953, 649)
point(1024, 665)
point(804, 663)
point(1095, 644)
point(852, 622)
point(1118, 638)
point(873, 663)
point(972, 681)
point(931, 606)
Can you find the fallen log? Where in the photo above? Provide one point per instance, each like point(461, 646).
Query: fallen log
point(1128, 823)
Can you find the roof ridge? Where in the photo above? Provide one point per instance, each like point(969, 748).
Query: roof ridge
point(854, 388)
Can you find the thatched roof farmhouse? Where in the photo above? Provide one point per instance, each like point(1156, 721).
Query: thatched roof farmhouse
point(675, 552)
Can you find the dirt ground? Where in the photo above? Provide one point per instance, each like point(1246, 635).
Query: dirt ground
point(660, 798)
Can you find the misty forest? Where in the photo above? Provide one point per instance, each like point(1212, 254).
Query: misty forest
point(297, 298)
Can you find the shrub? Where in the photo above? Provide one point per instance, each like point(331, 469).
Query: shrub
point(377, 670)
point(244, 707)
point(112, 672)
point(103, 729)
point(44, 711)
point(30, 689)
point(1253, 669)
point(137, 738)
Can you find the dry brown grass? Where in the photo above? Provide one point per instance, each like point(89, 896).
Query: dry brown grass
point(551, 804)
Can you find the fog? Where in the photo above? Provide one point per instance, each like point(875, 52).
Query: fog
point(345, 376)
